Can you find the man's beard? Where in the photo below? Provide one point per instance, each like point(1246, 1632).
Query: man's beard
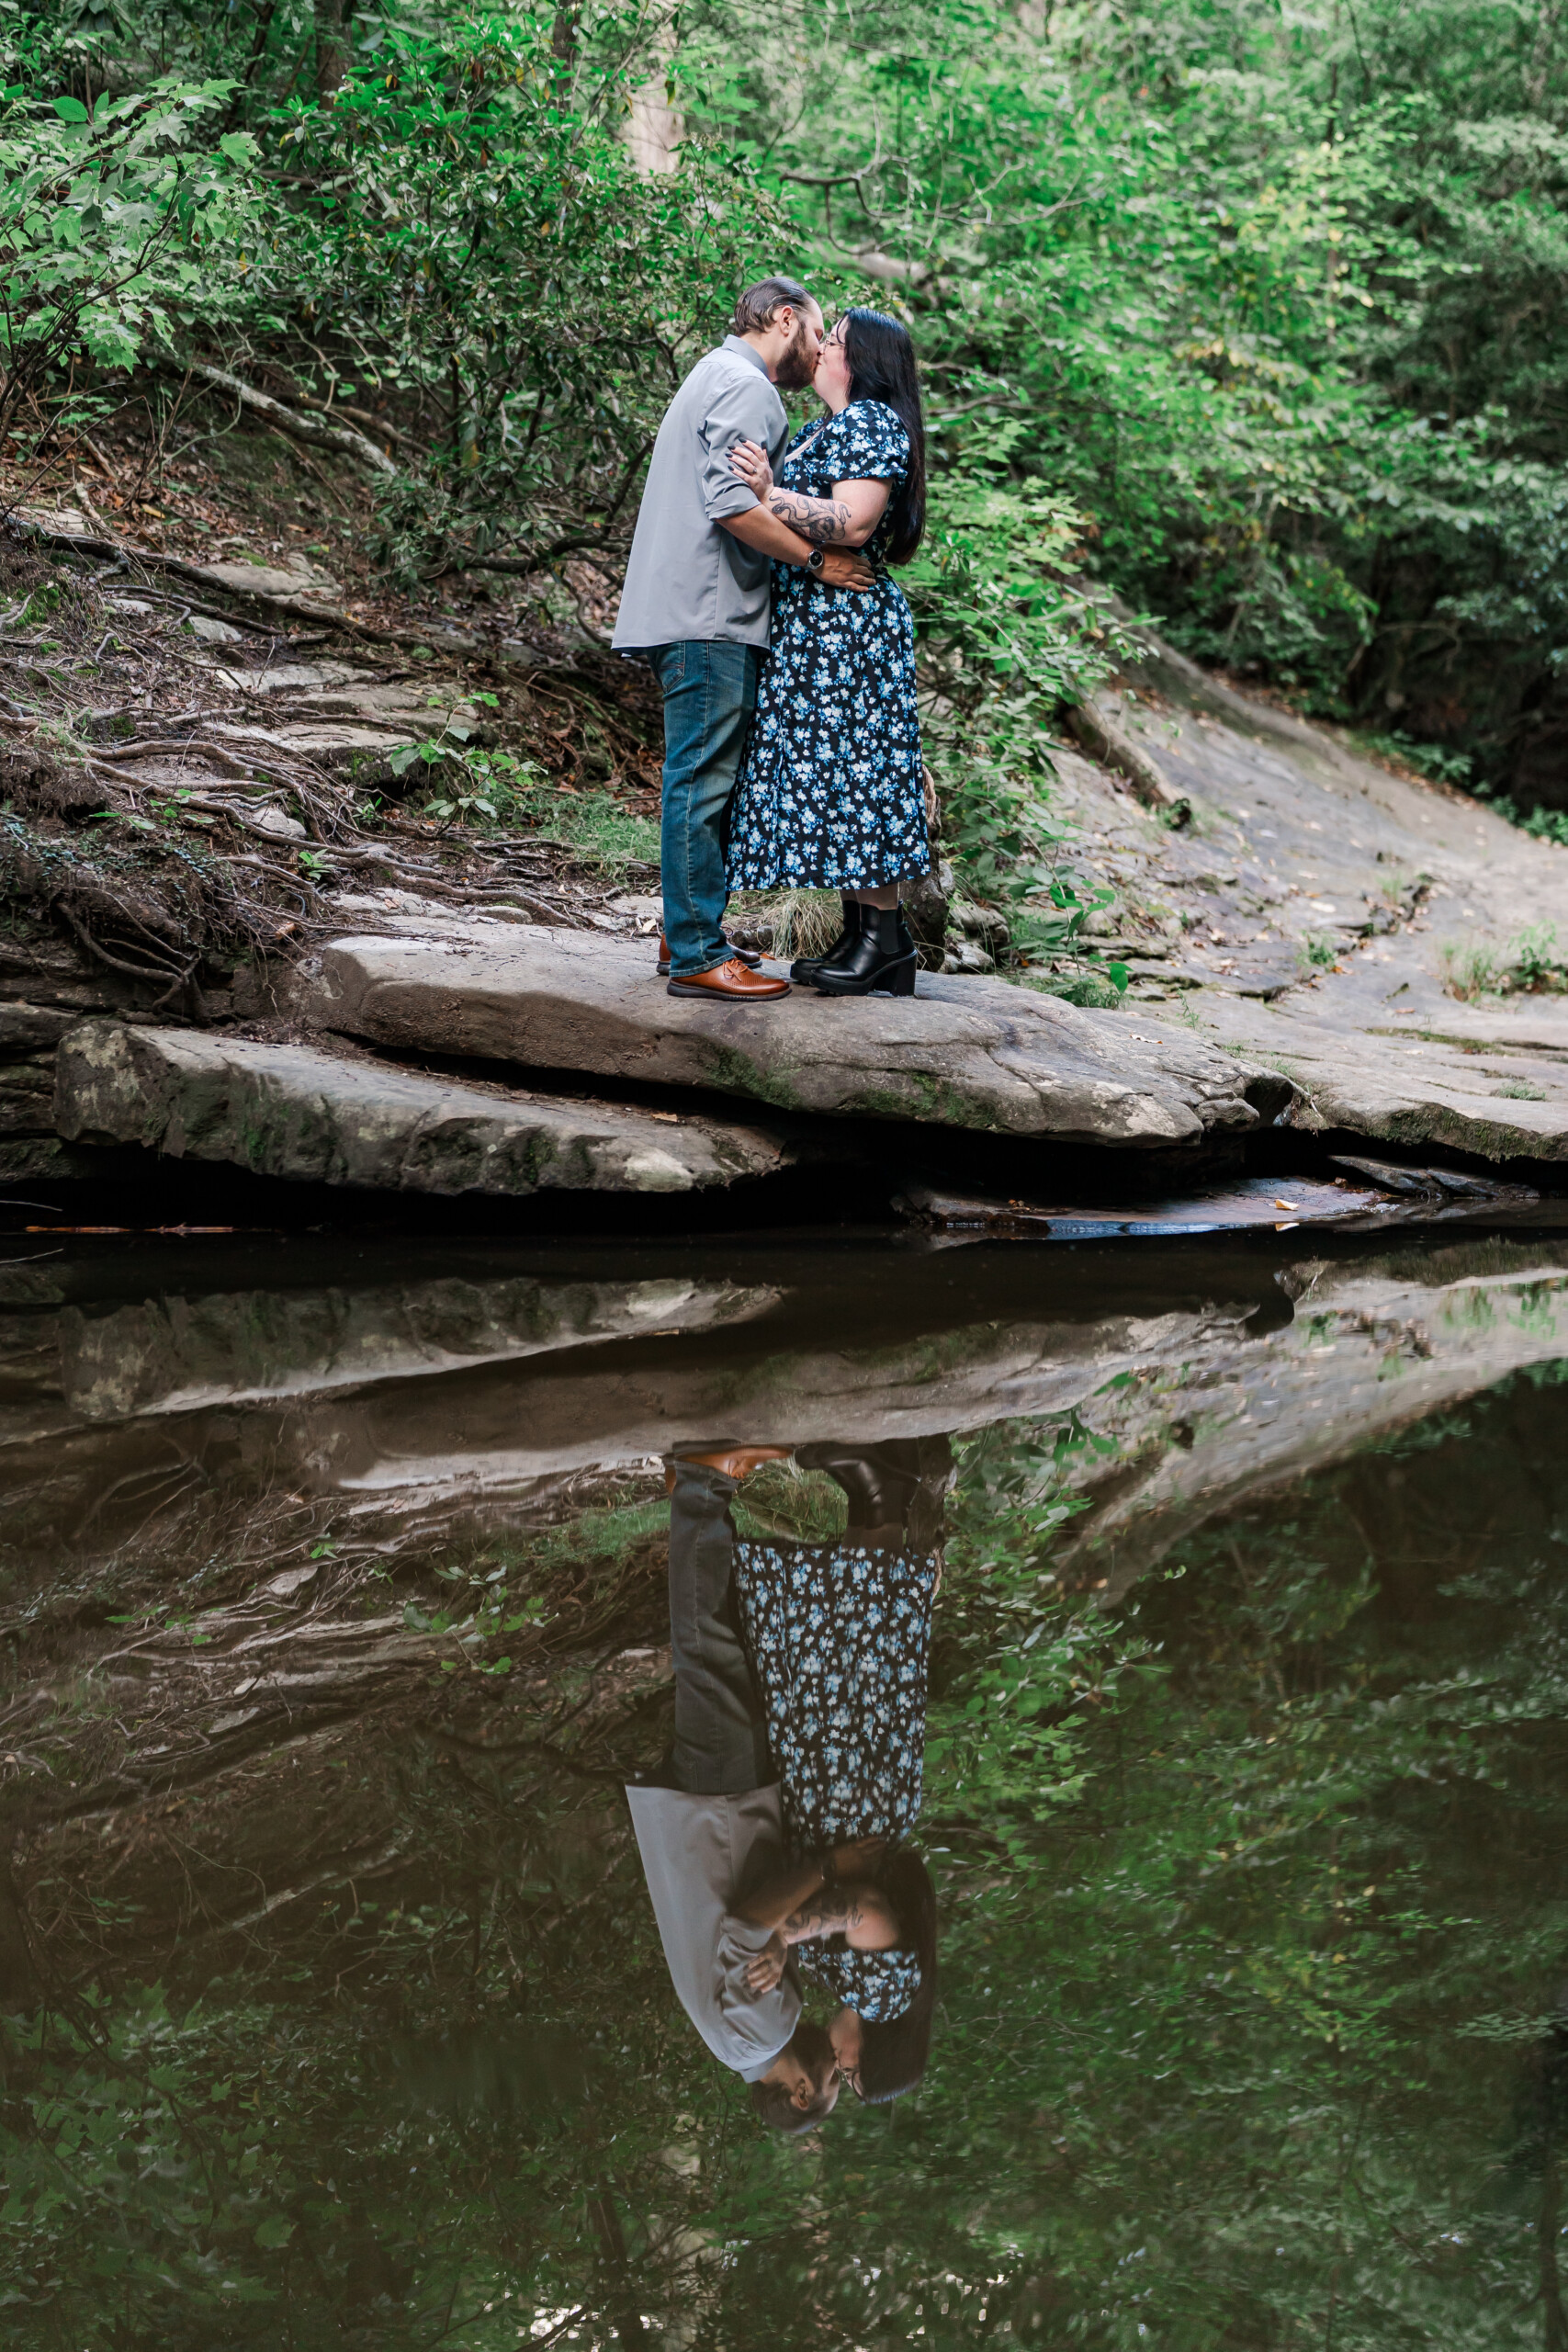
point(798, 366)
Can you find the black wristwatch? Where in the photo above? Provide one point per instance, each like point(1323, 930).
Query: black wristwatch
point(816, 559)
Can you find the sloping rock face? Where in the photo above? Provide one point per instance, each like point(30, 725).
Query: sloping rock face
point(1315, 911)
point(965, 1053)
point(294, 1110)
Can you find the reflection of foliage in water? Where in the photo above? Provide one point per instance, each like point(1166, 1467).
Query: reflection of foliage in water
point(1253, 1930)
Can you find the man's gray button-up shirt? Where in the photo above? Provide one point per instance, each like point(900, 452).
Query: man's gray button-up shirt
point(698, 1854)
point(688, 577)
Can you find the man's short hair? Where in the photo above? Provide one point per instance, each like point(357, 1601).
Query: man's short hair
point(776, 2108)
point(757, 307)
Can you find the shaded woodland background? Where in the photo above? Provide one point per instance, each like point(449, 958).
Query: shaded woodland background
point(1250, 310)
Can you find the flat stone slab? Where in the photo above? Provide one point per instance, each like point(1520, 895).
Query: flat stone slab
point(1490, 1080)
point(298, 1112)
point(961, 1053)
point(1368, 1200)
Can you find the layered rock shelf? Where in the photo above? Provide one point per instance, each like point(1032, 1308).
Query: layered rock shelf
point(972, 1054)
point(296, 1112)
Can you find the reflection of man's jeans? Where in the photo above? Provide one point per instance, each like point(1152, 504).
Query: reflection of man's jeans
point(710, 692)
point(721, 1744)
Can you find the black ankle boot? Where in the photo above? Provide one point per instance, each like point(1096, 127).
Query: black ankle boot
point(881, 962)
point(805, 967)
point(879, 1486)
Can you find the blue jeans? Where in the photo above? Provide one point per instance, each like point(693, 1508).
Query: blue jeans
point(721, 1740)
point(710, 692)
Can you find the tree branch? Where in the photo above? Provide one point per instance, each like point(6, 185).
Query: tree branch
point(301, 428)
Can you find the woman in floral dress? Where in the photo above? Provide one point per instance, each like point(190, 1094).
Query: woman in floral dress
point(831, 793)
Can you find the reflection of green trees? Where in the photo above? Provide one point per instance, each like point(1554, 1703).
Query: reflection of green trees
point(1255, 1931)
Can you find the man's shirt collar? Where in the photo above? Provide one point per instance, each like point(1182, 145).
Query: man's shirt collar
point(744, 350)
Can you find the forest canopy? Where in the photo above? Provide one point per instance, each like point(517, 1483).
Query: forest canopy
point(1250, 311)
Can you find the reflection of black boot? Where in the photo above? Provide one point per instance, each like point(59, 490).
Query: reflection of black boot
point(879, 1481)
point(881, 962)
point(805, 967)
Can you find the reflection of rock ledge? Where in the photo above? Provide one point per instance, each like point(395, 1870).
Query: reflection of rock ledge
point(408, 1412)
point(1373, 1347)
point(173, 1354)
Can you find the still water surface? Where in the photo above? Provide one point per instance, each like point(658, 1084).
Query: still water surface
point(1191, 1621)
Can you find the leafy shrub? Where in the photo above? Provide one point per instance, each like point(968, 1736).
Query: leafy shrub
point(114, 221)
point(465, 228)
point(508, 790)
point(1529, 964)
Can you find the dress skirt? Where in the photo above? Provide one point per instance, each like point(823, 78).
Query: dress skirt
point(830, 794)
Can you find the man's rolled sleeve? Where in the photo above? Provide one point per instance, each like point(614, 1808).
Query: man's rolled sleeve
point(742, 410)
point(757, 2023)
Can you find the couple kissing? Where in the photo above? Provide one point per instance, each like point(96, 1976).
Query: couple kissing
point(758, 592)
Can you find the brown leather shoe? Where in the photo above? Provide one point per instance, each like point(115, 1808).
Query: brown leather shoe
point(751, 955)
point(733, 980)
point(735, 1461)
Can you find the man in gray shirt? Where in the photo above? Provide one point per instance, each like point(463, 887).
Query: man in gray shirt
point(697, 605)
point(712, 1844)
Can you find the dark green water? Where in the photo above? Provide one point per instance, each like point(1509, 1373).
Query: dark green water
point(332, 1584)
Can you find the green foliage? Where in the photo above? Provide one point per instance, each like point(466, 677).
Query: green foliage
point(1252, 317)
point(466, 223)
point(1529, 964)
point(1542, 824)
point(117, 222)
point(1269, 301)
point(1426, 759)
point(600, 828)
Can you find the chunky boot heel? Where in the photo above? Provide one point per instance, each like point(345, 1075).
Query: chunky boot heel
point(882, 962)
point(879, 1484)
point(805, 967)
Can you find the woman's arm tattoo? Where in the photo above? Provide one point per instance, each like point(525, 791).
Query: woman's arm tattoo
point(823, 521)
point(829, 1912)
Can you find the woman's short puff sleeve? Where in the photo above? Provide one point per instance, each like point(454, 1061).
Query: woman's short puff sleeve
point(869, 444)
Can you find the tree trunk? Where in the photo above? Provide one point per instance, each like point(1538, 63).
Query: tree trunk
point(332, 46)
point(626, 2318)
point(655, 127)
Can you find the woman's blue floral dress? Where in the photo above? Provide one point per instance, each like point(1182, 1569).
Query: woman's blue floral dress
point(840, 1637)
point(830, 795)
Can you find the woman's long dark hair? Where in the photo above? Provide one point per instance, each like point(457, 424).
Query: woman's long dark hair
point(882, 368)
point(893, 2056)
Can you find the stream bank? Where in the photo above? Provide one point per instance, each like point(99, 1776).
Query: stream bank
point(468, 1015)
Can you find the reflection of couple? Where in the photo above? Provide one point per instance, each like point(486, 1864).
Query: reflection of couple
point(803, 757)
point(777, 1851)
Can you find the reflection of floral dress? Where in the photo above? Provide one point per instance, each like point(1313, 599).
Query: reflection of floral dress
point(830, 794)
point(840, 1637)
